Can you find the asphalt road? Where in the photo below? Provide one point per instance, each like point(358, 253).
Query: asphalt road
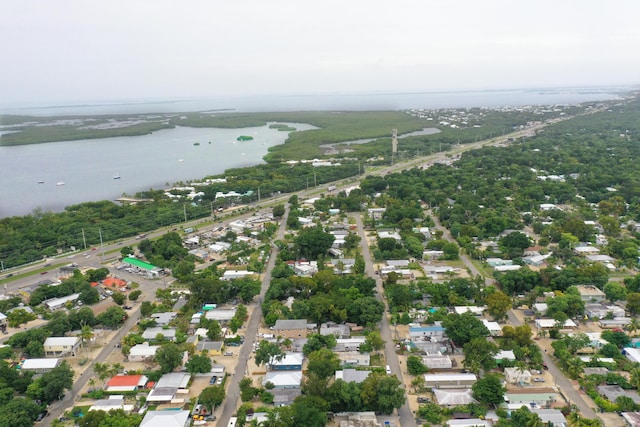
point(233, 391)
point(562, 382)
point(406, 417)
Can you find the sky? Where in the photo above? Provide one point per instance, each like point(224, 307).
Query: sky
point(71, 51)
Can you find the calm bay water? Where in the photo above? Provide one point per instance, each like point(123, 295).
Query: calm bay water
point(87, 167)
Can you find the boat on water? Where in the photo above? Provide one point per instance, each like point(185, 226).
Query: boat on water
point(116, 176)
point(40, 181)
point(196, 143)
point(244, 138)
point(59, 183)
point(181, 160)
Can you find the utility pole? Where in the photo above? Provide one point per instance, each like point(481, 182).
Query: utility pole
point(315, 184)
point(184, 207)
point(258, 194)
point(84, 241)
point(101, 246)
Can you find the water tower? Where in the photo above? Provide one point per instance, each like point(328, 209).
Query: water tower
point(394, 141)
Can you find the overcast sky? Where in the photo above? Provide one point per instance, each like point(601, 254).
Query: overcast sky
point(139, 49)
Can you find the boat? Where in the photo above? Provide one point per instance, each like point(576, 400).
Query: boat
point(40, 181)
point(196, 143)
point(244, 138)
point(59, 183)
point(116, 176)
point(181, 160)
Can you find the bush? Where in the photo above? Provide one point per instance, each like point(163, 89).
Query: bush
point(134, 295)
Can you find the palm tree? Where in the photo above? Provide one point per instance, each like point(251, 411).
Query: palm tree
point(633, 326)
point(86, 333)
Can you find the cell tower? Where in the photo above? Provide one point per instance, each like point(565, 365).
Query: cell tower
point(394, 141)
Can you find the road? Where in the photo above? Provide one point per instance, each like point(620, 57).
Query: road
point(405, 416)
point(233, 391)
point(562, 382)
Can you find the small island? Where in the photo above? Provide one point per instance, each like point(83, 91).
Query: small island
point(244, 138)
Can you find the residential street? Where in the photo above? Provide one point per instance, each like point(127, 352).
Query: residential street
point(406, 417)
point(233, 390)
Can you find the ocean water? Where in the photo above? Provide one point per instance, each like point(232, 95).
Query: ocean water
point(87, 167)
point(327, 101)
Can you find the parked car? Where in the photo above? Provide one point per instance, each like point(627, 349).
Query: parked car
point(213, 379)
point(219, 382)
point(538, 380)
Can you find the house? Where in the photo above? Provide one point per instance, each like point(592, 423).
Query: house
point(343, 265)
point(289, 362)
point(389, 235)
point(142, 352)
point(631, 418)
point(601, 311)
point(551, 323)
point(168, 386)
point(58, 303)
point(536, 260)
point(284, 396)
point(163, 319)
point(586, 250)
point(221, 314)
point(293, 328)
point(376, 213)
point(476, 311)
point(595, 371)
point(429, 255)
point(119, 383)
point(40, 365)
point(166, 419)
point(504, 355)
point(114, 283)
point(449, 380)
point(540, 308)
point(113, 402)
point(305, 268)
point(236, 274)
point(152, 333)
point(453, 397)
point(497, 262)
point(283, 379)
point(354, 358)
point(517, 376)
point(612, 392)
point(493, 327)
point(531, 397)
point(337, 330)
point(437, 361)
point(349, 344)
point(61, 346)
point(352, 375)
point(469, 422)
point(426, 333)
point(618, 322)
point(214, 348)
point(633, 354)
point(589, 293)
point(552, 417)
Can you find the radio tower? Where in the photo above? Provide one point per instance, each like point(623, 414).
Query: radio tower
point(394, 141)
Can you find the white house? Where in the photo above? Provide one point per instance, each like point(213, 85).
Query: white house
point(283, 379)
point(40, 365)
point(61, 346)
point(142, 352)
point(517, 376)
